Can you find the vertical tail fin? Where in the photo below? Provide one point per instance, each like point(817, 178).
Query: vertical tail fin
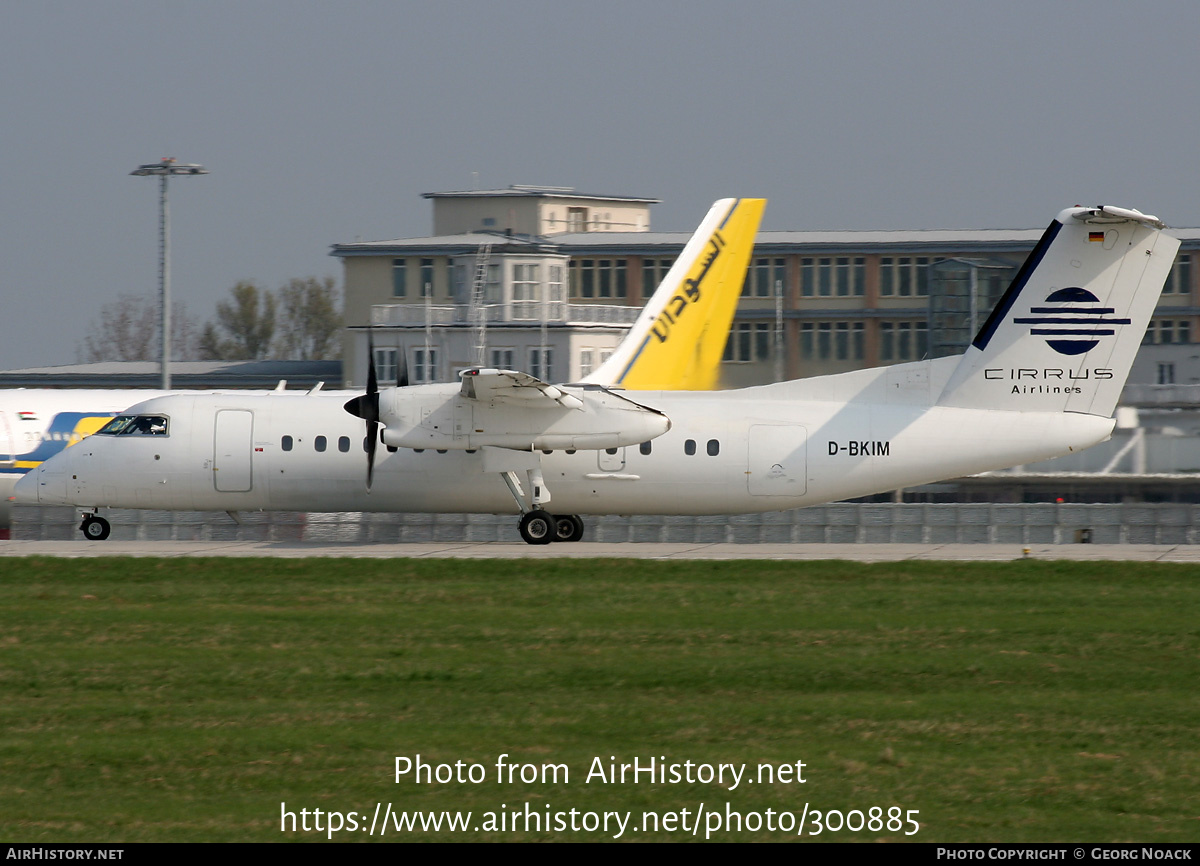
point(679, 338)
point(1064, 335)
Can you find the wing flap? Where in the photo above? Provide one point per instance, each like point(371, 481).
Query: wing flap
point(510, 386)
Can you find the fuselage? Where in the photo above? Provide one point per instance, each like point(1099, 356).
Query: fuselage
point(753, 450)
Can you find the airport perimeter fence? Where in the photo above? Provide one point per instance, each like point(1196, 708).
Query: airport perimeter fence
point(844, 523)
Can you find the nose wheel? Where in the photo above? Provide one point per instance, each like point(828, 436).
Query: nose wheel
point(95, 528)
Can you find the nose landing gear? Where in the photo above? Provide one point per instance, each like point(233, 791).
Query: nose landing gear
point(95, 527)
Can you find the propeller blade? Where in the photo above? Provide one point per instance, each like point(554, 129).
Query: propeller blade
point(372, 381)
point(367, 408)
point(372, 439)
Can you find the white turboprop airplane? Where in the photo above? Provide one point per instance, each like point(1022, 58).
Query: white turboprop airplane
point(1040, 380)
point(675, 344)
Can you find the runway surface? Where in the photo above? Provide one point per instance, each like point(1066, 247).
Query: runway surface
point(587, 550)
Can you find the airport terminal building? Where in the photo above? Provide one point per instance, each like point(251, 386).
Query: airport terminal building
point(546, 279)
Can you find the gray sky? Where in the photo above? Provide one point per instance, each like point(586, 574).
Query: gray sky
point(323, 122)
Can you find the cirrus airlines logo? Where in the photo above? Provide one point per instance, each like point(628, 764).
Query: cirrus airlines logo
point(1072, 321)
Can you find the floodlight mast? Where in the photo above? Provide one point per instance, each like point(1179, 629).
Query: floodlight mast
point(163, 170)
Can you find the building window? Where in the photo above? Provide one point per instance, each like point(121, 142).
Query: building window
point(904, 276)
point(1179, 281)
point(425, 365)
point(526, 292)
point(653, 272)
point(540, 362)
point(832, 341)
point(577, 219)
point(554, 290)
point(763, 277)
point(903, 341)
point(491, 285)
point(386, 361)
point(749, 341)
point(833, 276)
point(1168, 331)
point(585, 363)
point(426, 278)
point(598, 278)
point(502, 359)
point(399, 278)
point(1166, 374)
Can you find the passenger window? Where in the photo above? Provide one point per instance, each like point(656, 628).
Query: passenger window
point(714, 447)
point(344, 444)
point(319, 443)
point(287, 443)
point(610, 450)
point(392, 449)
point(644, 448)
point(689, 447)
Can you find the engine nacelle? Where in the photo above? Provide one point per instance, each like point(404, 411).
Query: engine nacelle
point(435, 417)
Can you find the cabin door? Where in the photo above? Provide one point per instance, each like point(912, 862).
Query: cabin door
point(232, 450)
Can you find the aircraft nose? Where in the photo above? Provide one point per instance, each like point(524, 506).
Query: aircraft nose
point(42, 485)
point(26, 488)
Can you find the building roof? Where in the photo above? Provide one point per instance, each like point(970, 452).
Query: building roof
point(184, 374)
point(964, 240)
point(469, 242)
point(532, 191)
point(573, 243)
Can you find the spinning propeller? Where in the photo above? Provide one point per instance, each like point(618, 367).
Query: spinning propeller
point(367, 406)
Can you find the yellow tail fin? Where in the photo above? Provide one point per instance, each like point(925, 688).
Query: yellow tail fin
point(677, 342)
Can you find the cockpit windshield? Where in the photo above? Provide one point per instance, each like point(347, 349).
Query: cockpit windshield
point(135, 425)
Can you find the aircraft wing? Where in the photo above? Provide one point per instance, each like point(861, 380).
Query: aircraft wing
point(509, 386)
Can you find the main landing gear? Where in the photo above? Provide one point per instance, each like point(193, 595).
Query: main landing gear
point(95, 527)
point(542, 527)
point(538, 526)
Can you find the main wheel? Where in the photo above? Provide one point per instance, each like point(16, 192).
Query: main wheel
point(537, 527)
point(95, 528)
point(568, 527)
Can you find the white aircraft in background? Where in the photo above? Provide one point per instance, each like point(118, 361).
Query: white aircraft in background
point(676, 344)
point(1040, 380)
point(36, 424)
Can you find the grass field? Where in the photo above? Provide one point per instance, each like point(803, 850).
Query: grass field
point(156, 700)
